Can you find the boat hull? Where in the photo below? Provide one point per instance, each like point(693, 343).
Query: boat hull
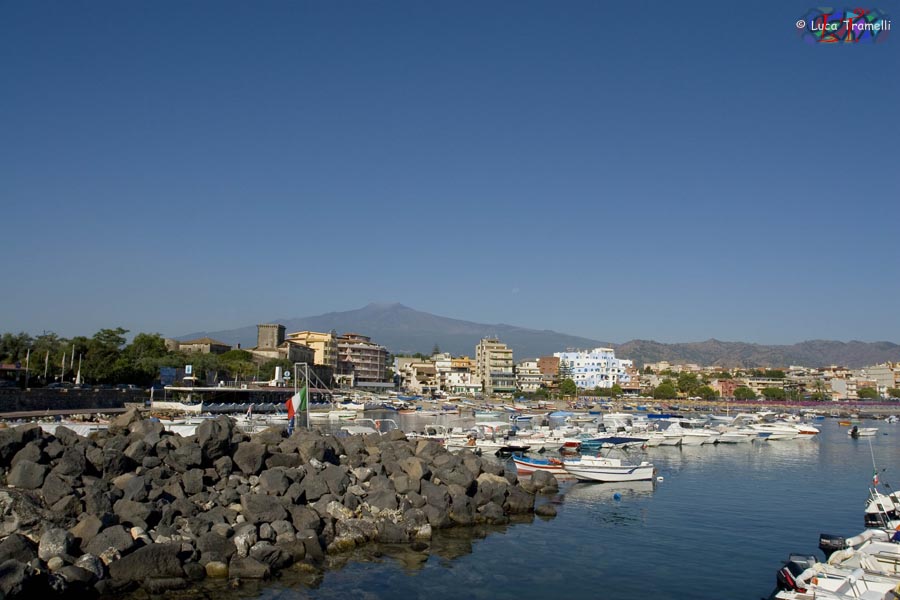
point(528, 467)
point(608, 470)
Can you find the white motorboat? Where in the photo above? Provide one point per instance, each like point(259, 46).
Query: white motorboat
point(803, 577)
point(874, 550)
point(672, 435)
point(654, 439)
point(605, 469)
point(856, 431)
point(737, 435)
point(491, 437)
point(333, 415)
point(883, 510)
point(778, 430)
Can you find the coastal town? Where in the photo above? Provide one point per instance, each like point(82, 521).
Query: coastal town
point(353, 361)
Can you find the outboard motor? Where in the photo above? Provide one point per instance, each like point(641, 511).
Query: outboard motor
point(829, 544)
point(854, 433)
point(786, 578)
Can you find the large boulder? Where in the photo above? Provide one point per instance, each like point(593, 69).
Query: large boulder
point(19, 579)
point(249, 457)
point(214, 437)
point(415, 467)
point(248, 568)
point(112, 537)
point(55, 488)
point(257, 508)
point(518, 501)
point(215, 548)
point(27, 475)
point(55, 542)
point(17, 547)
point(274, 481)
point(155, 560)
point(121, 423)
point(72, 463)
point(336, 479)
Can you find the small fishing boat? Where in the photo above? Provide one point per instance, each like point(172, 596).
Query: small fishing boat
point(856, 431)
point(527, 466)
point(606, 469)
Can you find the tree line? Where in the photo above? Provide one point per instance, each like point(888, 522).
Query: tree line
point(108, 358)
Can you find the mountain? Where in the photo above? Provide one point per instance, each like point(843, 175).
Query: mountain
point(812, 353)
point(404, 330)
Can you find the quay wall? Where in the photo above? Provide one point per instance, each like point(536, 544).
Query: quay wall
point(15, 400)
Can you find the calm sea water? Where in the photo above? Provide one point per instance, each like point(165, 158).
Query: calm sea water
point(717, 526)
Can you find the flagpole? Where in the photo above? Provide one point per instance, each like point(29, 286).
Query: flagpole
point(62, 368)
point(296, 383)
point(306, 366)
point(46, 366)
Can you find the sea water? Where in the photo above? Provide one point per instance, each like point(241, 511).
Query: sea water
point(717, 526)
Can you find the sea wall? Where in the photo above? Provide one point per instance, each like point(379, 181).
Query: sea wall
point(42, 399)
point(139, 507)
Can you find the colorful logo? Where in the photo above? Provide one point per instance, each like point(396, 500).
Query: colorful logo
point(848, 26)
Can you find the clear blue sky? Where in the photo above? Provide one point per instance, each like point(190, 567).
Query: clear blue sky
point(641, 170)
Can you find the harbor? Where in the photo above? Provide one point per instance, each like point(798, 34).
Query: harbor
point(633, 517)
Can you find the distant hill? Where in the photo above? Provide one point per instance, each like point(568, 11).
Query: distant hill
point(405, 330)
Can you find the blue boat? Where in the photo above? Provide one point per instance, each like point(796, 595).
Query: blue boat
point(594, 444)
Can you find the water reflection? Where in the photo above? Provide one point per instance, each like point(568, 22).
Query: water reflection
point(608, 492)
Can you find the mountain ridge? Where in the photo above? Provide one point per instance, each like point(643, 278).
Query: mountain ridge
point(404, 330)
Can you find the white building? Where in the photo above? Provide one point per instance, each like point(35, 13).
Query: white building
point(595, 368)
point(528, 376)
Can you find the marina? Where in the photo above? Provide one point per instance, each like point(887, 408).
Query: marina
point(759, 503)
point(749, 505)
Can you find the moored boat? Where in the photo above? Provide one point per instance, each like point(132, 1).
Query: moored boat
point(605, 469)
point(856, 431)
point(526, 465)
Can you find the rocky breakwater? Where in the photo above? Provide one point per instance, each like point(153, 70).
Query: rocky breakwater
point(138, 506)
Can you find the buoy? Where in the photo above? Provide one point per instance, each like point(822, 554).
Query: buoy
point(660, 478)
point(617, 496)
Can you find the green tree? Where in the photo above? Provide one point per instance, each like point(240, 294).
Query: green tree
point(541, 392)
point(774, 374)
point(101, 364)
point(616, 390)
point(744, 393)
point(773, 393)
point(688, 383)
point(819, 396)
point(867, 393)
point(722, 375)
point(14, 347)
point(436, 349)
point(567, 387)
point(665, 391)
point(648, 370)
point(707, 393)
point(894, 392)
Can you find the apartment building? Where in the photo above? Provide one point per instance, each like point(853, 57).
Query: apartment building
point(494, 367)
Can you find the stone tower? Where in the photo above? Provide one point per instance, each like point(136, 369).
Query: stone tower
point(269, 336)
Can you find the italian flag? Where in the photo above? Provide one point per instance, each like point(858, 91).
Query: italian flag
point(296, 403)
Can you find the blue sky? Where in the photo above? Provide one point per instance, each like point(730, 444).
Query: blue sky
point(636, 171)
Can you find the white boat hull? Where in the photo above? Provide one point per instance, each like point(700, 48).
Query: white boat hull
point(608, 470)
